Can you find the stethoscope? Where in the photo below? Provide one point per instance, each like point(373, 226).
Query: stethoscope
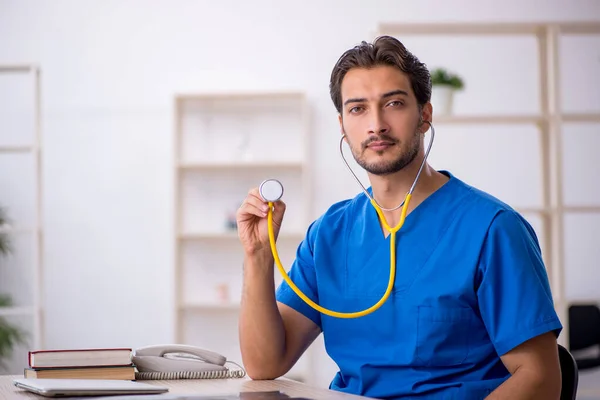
point(271, 190)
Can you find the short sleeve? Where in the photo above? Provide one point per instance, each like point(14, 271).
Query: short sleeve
point(303, 275)
point(514, 295)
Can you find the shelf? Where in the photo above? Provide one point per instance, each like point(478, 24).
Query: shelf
point(580, 300)
point(499, 28)
point(219, 153)
point(532, 210)
point(16, 311)
point(17, 230)
point(225, 165)
point(17, 68)
point(565, 209)
point(22, 148)
point(17, 149)
point(231, 236)
point(487, 119)
point(238, 95)
point(547, 41)
point(585, 117)
point(210, 307)
point(460, 28)
point(581, 209)
point(512, 119)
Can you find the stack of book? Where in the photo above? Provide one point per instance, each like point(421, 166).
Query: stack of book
point(81, 364)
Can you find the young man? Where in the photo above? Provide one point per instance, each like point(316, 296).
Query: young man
point(470, 315)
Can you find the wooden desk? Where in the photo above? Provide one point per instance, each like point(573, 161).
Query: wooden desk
point(201, 387)
point(206, 387)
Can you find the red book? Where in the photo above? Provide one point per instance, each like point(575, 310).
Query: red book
point(79, 358)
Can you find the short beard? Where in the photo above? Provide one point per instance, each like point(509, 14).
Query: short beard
point(388, 167)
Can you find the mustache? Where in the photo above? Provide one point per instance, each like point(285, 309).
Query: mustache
point(380, 138)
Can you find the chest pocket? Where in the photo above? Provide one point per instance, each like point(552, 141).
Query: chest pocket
point(442, 335)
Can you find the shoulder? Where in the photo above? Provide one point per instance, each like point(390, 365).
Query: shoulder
point(502, 229)
point(503, 218)
point(488, 208)
point(477, 199)
point(337, 216)
point(344, 209)
point(488, 219)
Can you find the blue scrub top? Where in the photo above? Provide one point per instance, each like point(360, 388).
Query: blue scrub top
point(470, 286)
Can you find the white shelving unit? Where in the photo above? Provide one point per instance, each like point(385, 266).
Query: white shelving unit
point(550, 123)
point(21, 273)
point(225, 144)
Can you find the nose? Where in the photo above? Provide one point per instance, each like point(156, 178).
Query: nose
point(377, 123)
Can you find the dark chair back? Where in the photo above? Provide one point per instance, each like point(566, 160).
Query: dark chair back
point(569, 373)
point(584, 326)
point(584, 333)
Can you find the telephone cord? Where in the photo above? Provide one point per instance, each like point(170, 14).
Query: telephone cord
point(227, 374)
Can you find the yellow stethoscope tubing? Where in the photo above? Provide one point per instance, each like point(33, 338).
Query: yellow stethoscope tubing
point(390, 285)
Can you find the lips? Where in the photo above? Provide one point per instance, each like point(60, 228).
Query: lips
point(380, 145)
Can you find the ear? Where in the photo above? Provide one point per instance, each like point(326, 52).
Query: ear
point(341, 121)
point(426, 116)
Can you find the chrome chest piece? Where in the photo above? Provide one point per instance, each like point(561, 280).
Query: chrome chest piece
point(271, 190)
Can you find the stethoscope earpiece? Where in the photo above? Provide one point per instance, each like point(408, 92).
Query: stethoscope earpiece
point(271, 190)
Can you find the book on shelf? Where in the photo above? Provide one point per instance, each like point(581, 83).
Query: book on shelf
point(91, 372)
point(73, 358)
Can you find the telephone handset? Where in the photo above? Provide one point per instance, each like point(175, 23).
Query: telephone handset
point(178, 361)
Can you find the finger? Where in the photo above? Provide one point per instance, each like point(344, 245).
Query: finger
point(257, 202)
point(247, 208)
point(254, 192)
point(257, 198)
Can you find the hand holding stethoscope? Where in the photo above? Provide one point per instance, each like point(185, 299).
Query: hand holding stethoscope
point(252, 221)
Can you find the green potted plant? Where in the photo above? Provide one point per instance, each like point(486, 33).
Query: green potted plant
point(10, 335)
point(443, 86)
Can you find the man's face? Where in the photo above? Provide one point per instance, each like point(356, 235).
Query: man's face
point(381, 119)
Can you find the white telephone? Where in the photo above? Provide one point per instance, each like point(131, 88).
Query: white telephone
point(177, 361)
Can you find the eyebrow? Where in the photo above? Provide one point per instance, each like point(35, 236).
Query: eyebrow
point(385, 95)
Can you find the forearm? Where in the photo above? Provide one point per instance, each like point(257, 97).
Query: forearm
point(528, 385)
point(262, 333)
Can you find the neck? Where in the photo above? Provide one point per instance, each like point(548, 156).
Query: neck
point(390, 190)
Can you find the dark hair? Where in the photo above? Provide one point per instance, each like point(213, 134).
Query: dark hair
point(385, 50)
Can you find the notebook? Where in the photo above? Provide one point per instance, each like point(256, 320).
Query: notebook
point(86, 387)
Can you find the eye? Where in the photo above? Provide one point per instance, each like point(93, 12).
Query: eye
point(395, 103)
point(354, 110)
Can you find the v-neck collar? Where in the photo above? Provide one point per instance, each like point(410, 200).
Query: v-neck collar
point(375, 226)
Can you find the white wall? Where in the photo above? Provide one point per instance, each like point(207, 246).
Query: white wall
point(110, 69)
